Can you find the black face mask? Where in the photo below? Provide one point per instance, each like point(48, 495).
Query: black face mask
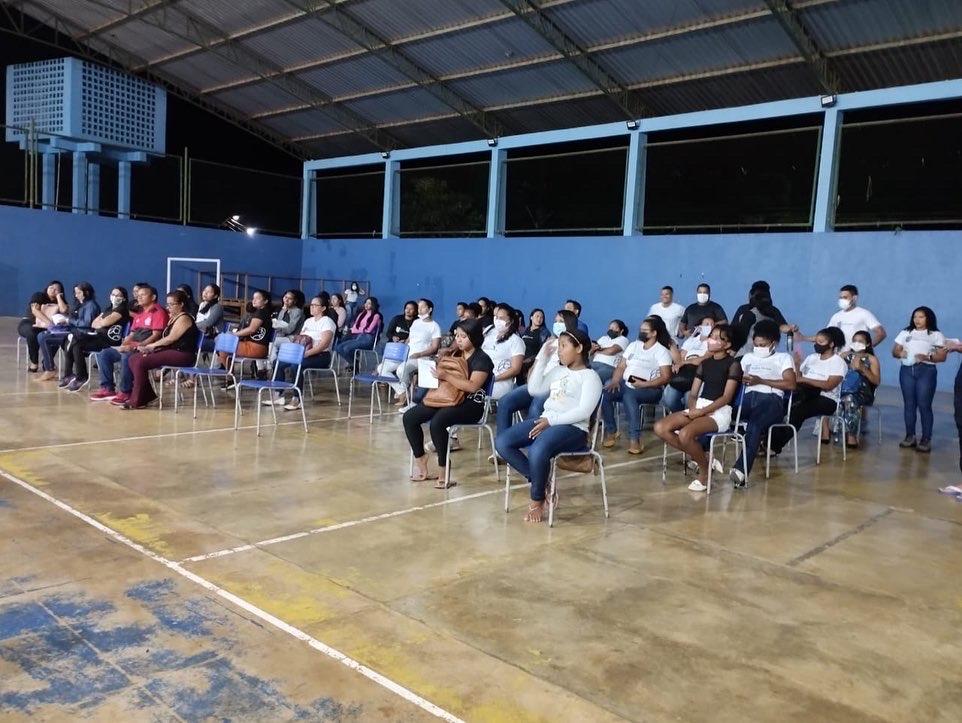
point(642, 336)
point(614, 333)
point(821, 348)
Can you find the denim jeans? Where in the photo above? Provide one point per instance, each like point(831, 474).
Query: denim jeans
point(673, 399)
point(632, 400)
point(535, 465)
point(49, 344)
point(105, 363)
point(761, 411)
point(347, 347)
point(605, 371)
point(918, 391)
point(517, 400)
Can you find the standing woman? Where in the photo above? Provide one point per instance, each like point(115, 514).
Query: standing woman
point(176, 347)
point(351, 295)
point(919, 346)
point(468, 338)
point(40, 310)
point(573, 389)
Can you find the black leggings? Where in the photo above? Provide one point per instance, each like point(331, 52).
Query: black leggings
point(79, 348)
point(817, 407)
point(958, 411)
point(28, 331)
point(467, 412)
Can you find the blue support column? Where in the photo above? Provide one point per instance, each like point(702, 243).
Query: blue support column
point(78, 198)
point(391, 219)
point(634, 209)
point(49, 188)
point(308, 205)
point(123, 189)
point(823, 218)
point(496, 193)
point(93, 189)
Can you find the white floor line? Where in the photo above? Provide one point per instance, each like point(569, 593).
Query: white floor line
point(30, 393)
point(164, 434)
point(327, 650)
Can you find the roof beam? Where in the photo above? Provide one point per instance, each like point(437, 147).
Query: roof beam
point(362, 34)
point(145, 9)
point(627, 101)
point(792, 24)
point(101, 51)
point(202, 33)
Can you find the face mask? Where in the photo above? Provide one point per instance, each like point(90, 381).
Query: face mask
point(702, 298)
point(500, 325)
point(762, 351)
point(558, 328)
point(704, 330)
point(844, 304)
point(642, 336)
point(424, 316)
point(116, 300)
point(715, 344)
point(858, 346)
point(821, 348)
point(614, 333)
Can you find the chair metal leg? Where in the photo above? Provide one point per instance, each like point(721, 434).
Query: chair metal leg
point(507, 486)
point(447, 460)
point(818, 441)
point(160, 404)
point(664, 464)
point(176, 389)
point(310, 383)
point(236, 407)
point(300, 398)
point(337, 389)
point(551, 489)
point(768, 454)
point(273, 407)
point(494, 453)
point(795, 447)
point(844, 439)
point(604, 486)
point(198, 380)
point(350, 396)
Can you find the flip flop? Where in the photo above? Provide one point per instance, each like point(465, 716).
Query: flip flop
point(441, 485)
point(952, 491)
point(423, 478)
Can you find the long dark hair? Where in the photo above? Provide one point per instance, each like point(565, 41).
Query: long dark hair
point(375, 309)
point(569, 318)
point(474, 329)
point(622, 327)
point(87, 290)
point(869, 347)
point(544, 322)
point(661, 331)
point(53, 283)
point(930, 322)
point(513, 322)
point(582, 339)
point(835, 334)
point(205, 305)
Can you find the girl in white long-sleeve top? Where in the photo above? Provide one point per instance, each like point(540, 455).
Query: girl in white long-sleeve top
point(573, 389)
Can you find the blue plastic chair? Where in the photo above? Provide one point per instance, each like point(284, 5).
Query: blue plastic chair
point(165, 369)
point(226, 343)
point(395, 351)
point(321, 371)
point(289, 353)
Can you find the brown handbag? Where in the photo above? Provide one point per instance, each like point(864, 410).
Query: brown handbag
point(582, 463)
point(446, 394)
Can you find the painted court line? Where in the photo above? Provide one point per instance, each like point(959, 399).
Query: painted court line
point(382, 516)
point(327, 650)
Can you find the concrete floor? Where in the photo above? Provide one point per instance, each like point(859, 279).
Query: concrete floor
point(832, 595)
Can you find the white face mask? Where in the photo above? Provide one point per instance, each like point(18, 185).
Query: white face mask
point(702, 298)
point(857, 346)
point(704, 330)
point(844, 304)
point(762, 351)
point(424, 316)
point(559, 328)
point(116, 300)
point(500, 325)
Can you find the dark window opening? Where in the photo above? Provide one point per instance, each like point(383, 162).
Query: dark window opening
point(445, 196)
point(349, 202)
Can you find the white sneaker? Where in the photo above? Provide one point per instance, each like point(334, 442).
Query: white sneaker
point(697, 486)
point(275, 402)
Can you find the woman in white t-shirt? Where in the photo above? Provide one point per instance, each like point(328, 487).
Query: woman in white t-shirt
point(639, 378)
point(607, 351)
point(505, 348)
point(819, 379)
point(573, 390)
point(918, 347)
point(320, 329)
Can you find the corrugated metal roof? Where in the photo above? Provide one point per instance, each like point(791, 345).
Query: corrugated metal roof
point(678, 55)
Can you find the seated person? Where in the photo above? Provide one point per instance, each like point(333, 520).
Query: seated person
point(468, 338)
point(286, 323)
point(768, 375)
point(320, 328)
point(693, 351)
point(519, 399)
point(363, 331)
point(147, 326)
point(858, 389)
point(340, 311)
point(573, 390)
point(424, 340)
point(640, 378)
point(191, 306)
point(41, 309)
point(574, 306)
point(399, 328)
point(505, 348)
point(817, 392)
point(105, 331)
point(709, 404)
point(210, 315)
point(607, 351)
point(460, 310)
point(176, 347)
point(254, 330)
point(54, 338)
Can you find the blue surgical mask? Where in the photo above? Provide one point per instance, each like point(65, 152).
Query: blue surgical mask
point(559, 328)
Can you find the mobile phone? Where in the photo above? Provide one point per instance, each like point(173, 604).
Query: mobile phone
point(632, 379)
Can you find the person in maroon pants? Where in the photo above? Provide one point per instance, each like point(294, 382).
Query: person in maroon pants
point(176, 347)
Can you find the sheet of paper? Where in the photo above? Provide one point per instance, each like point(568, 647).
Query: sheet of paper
point(426, 379)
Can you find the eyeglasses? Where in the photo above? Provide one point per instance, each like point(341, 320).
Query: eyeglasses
point(314, 303)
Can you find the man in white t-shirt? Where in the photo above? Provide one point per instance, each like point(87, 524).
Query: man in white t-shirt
point(424, 340)
point(669, 311)
point(767, 375)
point(851, 317)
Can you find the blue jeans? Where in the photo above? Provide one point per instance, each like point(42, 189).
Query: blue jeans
point(632, 400)
point(605, 371)
point(761, 411)
point(49, 344)
point(918, 391)
point(535, 465)
point(673, 399)
point(347, 347)
point(105, 363)
point(318, 361)
point(518, 400)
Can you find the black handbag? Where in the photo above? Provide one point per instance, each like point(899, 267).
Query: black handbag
point(683, 379)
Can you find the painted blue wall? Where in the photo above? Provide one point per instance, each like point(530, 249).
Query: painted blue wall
point(620, 277)
point(40, 245)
